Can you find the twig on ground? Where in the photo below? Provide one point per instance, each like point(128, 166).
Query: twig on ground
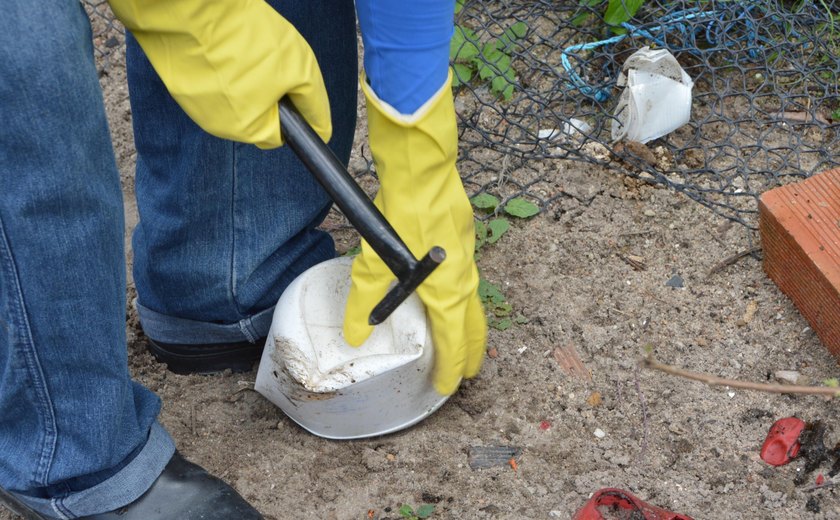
point(655, 297)
point(730, 260)
point(709, 379)
point(826, 484)
point(803, 117)
point(633, 261)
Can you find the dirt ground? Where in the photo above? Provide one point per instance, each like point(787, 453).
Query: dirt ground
point(678, 444)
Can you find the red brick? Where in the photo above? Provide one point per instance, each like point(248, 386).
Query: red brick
point(800, 235)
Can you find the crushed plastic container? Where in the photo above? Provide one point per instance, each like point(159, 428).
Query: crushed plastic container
point(656, 99)
point(782, 442)
point(618, 503)
point(335, 390)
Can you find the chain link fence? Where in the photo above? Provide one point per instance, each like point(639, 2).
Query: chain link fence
point(538, 82)
point(765, 107)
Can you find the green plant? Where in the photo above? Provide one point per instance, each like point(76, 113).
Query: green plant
point(491, 61)
point(424, 511)
point(620, 11)
point(617, 12)
point(492, 231)
point(495, 304)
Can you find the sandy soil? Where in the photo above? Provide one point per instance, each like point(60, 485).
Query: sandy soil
point(678, 444)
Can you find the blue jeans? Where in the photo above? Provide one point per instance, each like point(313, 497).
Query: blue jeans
point(224, 228)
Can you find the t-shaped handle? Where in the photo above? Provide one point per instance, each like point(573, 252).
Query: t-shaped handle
point(359, 210)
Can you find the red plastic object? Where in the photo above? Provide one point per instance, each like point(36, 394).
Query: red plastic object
point(782, 442)
point(622, 503)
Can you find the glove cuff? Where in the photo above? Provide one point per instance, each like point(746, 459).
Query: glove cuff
point(395, 115)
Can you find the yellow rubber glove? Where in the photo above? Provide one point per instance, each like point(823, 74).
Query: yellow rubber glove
point(228, 63)
point(422, 196)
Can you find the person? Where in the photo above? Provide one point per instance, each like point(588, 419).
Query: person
point(228, 217)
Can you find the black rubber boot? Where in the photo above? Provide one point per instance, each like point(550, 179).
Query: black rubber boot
point(184, 491)
point(207, 359)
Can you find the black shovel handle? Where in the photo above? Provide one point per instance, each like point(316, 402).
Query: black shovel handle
point(359, 210)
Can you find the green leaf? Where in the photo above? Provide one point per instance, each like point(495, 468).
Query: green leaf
point(502, 64)
point(506, 43)
point(521, 320)
point(835, 116)
point(490, 293)
point(581, 19)
point(502, 309)
point(517, 30)
point(521, 208)
point(502, 324)
point(406, 511)
point(512, 34)
point(485, 201)
point(507, 93)
point(620, 11)
point(463, 74)
point(833, 382)
point(456, 43)
point(497, 228)
point(459, 5)
point(353, 251)
point(480, 234)
point(491, 51)
point(485, 71)
point(463, 46)
point(425, 511)
point(498, 84)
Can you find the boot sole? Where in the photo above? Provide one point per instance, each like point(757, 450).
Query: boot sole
point(207, 359)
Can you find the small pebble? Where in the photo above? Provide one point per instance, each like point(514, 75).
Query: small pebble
point(789, 377)
point(599, 433)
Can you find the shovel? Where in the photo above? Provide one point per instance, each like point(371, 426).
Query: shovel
point(360, 211)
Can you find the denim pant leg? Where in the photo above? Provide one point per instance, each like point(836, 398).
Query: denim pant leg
point(225, 227)
point(77, 436)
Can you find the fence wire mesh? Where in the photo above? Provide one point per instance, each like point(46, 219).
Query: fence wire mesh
point(538, 81)
point(765, 100)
